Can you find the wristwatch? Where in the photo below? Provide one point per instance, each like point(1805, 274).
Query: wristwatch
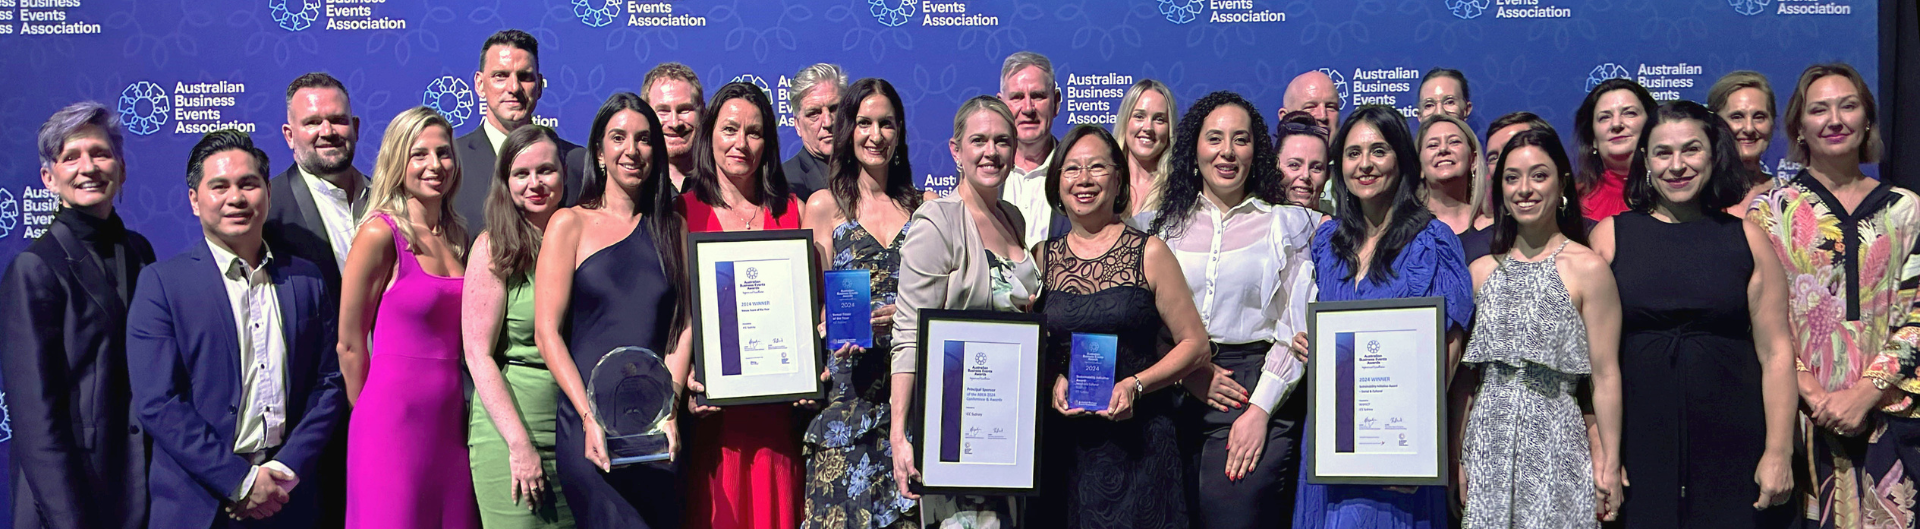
point(1879, 383)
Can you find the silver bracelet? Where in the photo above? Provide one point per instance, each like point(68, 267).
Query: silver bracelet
point(1138, 387)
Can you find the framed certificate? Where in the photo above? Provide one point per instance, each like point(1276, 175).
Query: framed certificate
point(1378, 392)
point(978, 429)
point(755, 300)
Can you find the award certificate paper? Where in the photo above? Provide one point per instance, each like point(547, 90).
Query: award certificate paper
point(1090, 371)
point(756, 317)
point(982, 390)
point(1373, 413)
point(849, 308)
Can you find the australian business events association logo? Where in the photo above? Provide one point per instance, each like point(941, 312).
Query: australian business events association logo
point(451, 97)
point(596, 13)
point(1224, 11)
point(1604, 72)
point(892, 13)
point(1749, 7)
point(144, 107)
point(9, 213)
point(294, 15)
point(1339, 85)
point(1182, 11)
point(1468, 9)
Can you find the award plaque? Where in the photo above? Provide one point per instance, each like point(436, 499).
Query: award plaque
point(756, 301)
point(1377, 392)
point(632, 397)
point(980, 395)
point(1090, 371)
point(849, 308)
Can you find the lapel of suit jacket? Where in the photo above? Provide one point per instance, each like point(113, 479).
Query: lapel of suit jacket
point(303, 200)
point(209, 278)
point(93, 273)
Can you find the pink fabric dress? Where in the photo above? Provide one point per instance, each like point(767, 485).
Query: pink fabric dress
point(407, 438)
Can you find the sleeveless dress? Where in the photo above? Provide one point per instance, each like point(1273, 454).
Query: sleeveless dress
point(745, 461)
point(1116, 474)
point(1526, 455)
point(534, 393)
point(406, 440)
point(1430, 265)
point(849, 456)
point(1694, 419)
point(621, 297)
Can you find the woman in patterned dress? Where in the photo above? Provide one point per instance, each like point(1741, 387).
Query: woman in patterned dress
point(1847, 243)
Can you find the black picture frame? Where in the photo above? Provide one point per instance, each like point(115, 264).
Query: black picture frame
point(797, 246)
point(1028, 329)
point(1422, 315)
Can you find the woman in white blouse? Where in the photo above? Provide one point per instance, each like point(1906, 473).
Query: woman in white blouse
point(1246, 260)
point(964, 252)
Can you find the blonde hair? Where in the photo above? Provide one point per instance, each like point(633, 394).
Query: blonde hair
point(1127, 103)
point(1870, 145)
point(388, 193)
point(1476, 165)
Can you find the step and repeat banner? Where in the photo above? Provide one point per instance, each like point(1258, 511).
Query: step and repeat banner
point(175, 69)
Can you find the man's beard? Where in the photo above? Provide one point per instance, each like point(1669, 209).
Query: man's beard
point(318, 165)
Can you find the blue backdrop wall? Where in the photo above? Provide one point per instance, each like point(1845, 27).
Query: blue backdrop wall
point(176, 68)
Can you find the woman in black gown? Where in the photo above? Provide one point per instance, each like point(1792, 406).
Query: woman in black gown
point(1121, 466)
point(609, 277)
point(1708, 415)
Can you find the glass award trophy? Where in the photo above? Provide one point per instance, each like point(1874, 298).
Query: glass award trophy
point(632, 397)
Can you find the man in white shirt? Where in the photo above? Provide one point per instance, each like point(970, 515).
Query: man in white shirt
point(231, 356)
point(510, 84)
point(318, 199)
point(1028, 88)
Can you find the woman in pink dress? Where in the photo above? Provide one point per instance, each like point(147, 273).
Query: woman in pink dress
point(406, 440)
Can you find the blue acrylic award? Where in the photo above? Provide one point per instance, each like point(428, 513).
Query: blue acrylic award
point(849, 303)
point(1090, 371)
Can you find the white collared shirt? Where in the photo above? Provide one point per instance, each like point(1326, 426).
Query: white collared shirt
point(1027, 190)
point(1251, 271)
point(261, 423)
point(336, 212)
point(495, 136)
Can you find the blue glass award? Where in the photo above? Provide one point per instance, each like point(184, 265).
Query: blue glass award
point(849, 308)
point(1090, 371)
point(631, 392)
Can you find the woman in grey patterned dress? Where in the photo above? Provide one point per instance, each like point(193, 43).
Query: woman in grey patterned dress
point(1549, 320)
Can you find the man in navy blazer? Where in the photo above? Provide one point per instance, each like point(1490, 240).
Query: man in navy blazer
point(231, 348)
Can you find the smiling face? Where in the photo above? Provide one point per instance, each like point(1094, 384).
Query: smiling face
point(1441, 95)
point(679, 112)
point(1303, 167)
point(875, 128)
point(1029, 93)
point(1444, 153)
point(86, 174)
point(1149, 127)
point(984, 151)
point(1313, 92)
point(1530, 186)
point(738, 138)
point(431, 171)
point(1368, 163)
point(321, 130)
point(624, 150)
point(1225, 153)
point(533, 178)
point(1679, 160)
point(1834, 120)
point(509, 80)
point(1617, 119)
point(815, 121)
point(1087, 183)
point(231, 200)
point(1751, 119)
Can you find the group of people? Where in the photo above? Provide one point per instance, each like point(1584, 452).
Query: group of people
point(406, 350)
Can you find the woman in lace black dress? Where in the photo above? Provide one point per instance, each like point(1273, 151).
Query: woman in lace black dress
point(1120, 467)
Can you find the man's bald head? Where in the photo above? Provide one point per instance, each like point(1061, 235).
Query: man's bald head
point(1313, 93)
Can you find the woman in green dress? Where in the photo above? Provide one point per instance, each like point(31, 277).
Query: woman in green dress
point(510, 430)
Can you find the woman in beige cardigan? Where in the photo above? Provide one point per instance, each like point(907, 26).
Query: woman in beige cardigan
point(964, 251)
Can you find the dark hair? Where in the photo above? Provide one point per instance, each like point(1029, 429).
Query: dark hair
point(1121, 174)
point(1569, 219)
point(314, 80)
point(1466, 94)
point(655, 200)
point(512, 38)
point(773, 180)
point(1589, 156)
point(1723, 188)
point(1297, 123)
point(844, 179)
point(1408, 215)
point(1184, 182)
point(1520, 117)
point(217, 142)
point(514, 241)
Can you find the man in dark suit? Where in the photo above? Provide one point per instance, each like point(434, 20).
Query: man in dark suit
point(814, 98)
point(79, 460)
point(318, 199)
point(510, 83)
point(232, 350)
